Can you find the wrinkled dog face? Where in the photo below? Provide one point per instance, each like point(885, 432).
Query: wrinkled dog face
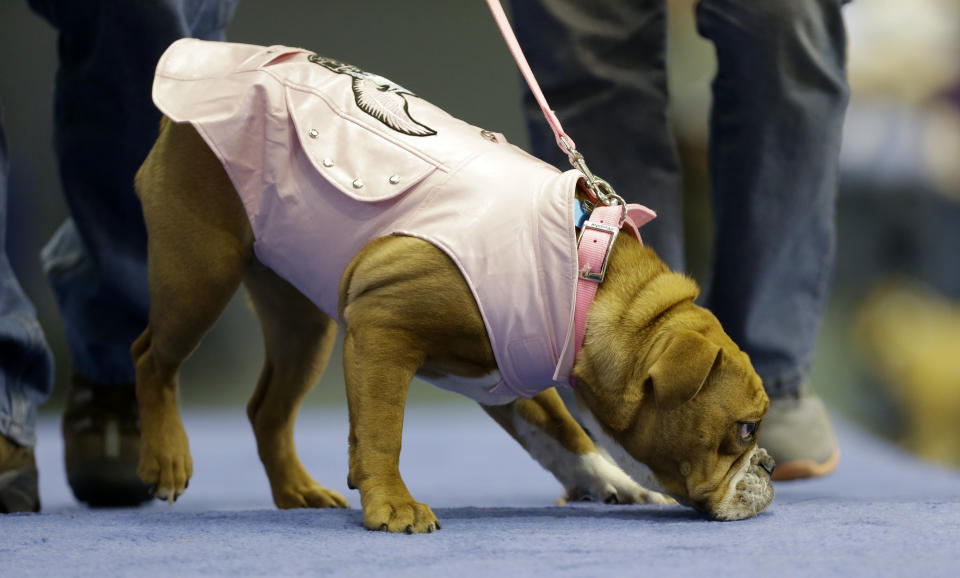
point(698, 435)
point(705, 451)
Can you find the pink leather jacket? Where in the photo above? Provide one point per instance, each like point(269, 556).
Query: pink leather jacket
point(327, 157)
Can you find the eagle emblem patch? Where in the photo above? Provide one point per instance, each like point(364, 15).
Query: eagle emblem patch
point(379, 97)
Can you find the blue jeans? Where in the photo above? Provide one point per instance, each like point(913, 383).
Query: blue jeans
point(104, 125)
point(779, 98)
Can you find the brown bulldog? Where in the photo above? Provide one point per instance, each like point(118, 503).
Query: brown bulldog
point(671, 398)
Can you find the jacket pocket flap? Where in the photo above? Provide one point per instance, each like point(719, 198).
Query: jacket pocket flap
point(362, 163)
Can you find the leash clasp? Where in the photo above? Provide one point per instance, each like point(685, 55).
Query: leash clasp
point(601, 189)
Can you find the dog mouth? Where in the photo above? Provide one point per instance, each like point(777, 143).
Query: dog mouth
point(750, 489)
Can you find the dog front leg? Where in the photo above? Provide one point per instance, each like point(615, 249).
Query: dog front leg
point(545, 428)
point(378, 367)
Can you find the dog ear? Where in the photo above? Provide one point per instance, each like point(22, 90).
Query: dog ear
point(682, 369)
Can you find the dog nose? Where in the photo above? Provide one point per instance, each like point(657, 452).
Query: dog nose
point(766, 462)
point(768, 468)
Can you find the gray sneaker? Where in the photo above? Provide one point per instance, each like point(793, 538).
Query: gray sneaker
point(18, 479)
point(798, 433)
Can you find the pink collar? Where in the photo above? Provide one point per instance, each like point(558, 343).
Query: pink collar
point(593, 253)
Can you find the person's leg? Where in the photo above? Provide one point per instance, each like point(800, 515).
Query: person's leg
point(105, 123)
point(601, 65)
point(779, 99)
point(26, 375)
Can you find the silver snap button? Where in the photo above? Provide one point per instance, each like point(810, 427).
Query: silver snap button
point(489, 135)
point(357, 183)
point(394, 179)
point(314, 133)
point(327, 162)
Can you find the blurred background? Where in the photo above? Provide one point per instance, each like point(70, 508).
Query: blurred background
point(889, 352)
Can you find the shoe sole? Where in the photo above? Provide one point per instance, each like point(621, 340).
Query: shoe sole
point(107, 485)
point(802, 469)
point(18, 491)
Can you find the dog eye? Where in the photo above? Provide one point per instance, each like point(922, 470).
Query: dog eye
point(747, 430)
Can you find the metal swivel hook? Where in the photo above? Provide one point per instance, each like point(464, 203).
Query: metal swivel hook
point(600, 188)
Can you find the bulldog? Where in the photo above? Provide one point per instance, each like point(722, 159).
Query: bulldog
point(334, 195)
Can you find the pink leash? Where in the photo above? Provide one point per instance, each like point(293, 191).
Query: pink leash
point(611, 212)
point(564, 141)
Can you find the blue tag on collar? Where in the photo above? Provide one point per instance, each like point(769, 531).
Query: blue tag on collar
point(579, 215)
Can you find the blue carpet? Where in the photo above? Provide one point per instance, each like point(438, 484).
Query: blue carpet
point(883, 513)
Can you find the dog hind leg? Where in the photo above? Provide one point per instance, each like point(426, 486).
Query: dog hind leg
point(199, 242)
point(298, 338)
point(544, 427)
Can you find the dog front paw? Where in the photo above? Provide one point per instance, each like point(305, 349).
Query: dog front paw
point(613, 495)
point(597, 479)
point(641, 495)
point(166, 465)
point(396, 514)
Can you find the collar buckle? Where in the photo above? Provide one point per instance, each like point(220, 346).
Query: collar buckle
point(595, 233)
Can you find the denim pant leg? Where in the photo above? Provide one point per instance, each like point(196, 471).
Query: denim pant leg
point(602, 67)
point(26, 366)
point(105, 124)
point(779, 99)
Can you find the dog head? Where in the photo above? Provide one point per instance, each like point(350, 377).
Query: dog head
point(671, 395)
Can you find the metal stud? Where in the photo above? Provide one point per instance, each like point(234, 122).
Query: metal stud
point(357, 183)
point(394, 179)
point(489, 135)
point(327, 162)
point(314, 133)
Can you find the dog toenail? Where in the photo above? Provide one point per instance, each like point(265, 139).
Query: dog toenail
point(383, 527)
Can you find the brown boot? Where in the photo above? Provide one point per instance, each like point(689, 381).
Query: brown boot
point(101, 438)
point(18, 478)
